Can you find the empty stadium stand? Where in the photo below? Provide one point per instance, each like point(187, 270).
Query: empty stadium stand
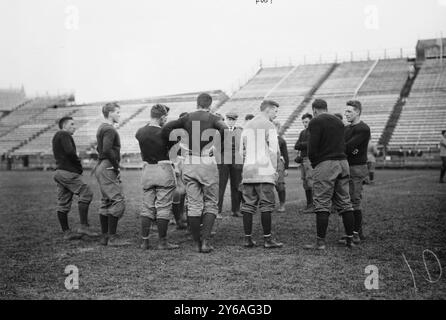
point(177, 105)
point(423, 116)
point(32, 134)
point(377, 84)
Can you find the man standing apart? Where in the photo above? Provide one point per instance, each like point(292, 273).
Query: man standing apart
point(229, 169)
point(158, 179)
point(443, 155)
point(305, 167)
point(261, 155)
point(107, 173)
point(357, 137)
point(331, 172)
point(372, 152)
point(69, 180)
point(200, 173)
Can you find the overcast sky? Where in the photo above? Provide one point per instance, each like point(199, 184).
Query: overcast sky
point(107, 50)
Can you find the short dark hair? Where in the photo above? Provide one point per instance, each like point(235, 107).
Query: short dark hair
point(182, 114)
point(307, 115)
point(443, 131)
point(204, 101)
point(158, 110)
point(249, 116)
point(355, 104)
point(339, 116)
point(220, 116)
point(63, 120)
point(268, 103)
point(319, 104)
point(109, 107)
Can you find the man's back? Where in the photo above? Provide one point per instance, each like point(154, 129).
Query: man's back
point(195, 123)
point(153, 148)
point(326, 139)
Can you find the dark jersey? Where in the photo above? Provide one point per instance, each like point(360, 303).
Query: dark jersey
point(284, 151)
point(195, 124)
point(153, 148)
point(109, 144)
point(357, 138)
point(64, 151)
point(302, 143)
point(326, 139)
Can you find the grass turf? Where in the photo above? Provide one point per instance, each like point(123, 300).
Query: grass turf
point(404, 215)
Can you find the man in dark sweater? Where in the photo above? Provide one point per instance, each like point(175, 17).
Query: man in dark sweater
point(357, 137)
point(306, 169)
point(69, 180)
point(108, 176)
point(158, 179)
point(229, 168)
point(200, 173)
point(282, 167)
point(331, 172)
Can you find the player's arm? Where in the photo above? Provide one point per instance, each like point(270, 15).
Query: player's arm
point(69, 149)
point(284, 153)
point(315, 130)
point(301, 144)
point(107, 147)
point(362, 135)
point(169, 127)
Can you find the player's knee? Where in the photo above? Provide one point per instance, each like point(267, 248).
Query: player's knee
point(86, 195)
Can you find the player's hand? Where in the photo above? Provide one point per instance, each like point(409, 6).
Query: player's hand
point(355, 152)
point(285, 173)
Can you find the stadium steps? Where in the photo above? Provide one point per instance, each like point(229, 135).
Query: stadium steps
point(396, 111)
point(38, 133)
point(132, 116)
point(366, 77)
point(10, 112)
point(307, 99)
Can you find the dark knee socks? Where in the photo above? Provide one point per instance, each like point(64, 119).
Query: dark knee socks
point(247, 223)
point(194, 224)
point(83, 213)
point(103, 220)
point(208, 223)
point(282, 196)
point(266, 222)
point(309, 196)
point(357, 214)
point(371, 176)
point(63, 220)
point(162, 225)
point(322, 223)
point(146, 223)
point(349, 222)
point(112, 224)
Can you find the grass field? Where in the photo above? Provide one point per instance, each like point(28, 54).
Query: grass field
point(405, 213)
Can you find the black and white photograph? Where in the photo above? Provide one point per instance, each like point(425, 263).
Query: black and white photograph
point(222, 155)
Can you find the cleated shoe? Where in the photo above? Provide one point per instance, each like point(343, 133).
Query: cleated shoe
point(249, 243)
point(205, 246)
point(271, 244)
point(145, 244)
point(165, 245)
point(70, 235)
point(319, 245)
point(104, 239)
point(86, 230)
point(308, 210)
